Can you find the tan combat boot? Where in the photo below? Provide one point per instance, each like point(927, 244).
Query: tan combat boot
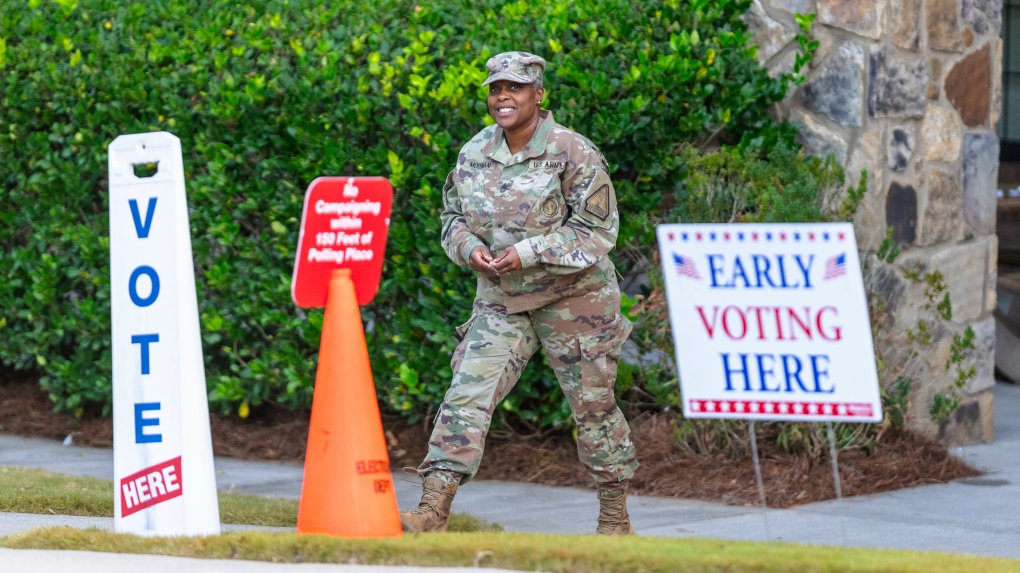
point(434, 508)
point(613, 518)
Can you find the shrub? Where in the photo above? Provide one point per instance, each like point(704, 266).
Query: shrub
point(267, 95)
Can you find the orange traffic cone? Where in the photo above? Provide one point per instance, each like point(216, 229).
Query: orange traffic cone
point(347, 489)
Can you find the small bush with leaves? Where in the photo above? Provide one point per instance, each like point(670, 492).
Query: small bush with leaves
point(901, 361)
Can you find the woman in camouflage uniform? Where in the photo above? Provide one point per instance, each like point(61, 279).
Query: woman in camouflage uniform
point(531, 209)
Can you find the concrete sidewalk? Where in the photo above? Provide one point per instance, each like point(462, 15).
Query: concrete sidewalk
point(978, 516)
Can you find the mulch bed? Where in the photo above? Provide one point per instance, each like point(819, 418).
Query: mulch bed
point(902, 459)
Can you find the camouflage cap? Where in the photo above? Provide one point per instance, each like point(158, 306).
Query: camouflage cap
point(520, 67)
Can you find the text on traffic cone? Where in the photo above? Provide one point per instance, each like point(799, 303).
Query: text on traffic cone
point(347, 489)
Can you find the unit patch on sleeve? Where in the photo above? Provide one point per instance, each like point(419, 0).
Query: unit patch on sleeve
point(598, 203)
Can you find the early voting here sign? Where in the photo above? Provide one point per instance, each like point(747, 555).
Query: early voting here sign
point(164, 481)
point(770, 322)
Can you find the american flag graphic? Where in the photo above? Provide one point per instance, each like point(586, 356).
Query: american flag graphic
point(835, 266)
point(685, 266)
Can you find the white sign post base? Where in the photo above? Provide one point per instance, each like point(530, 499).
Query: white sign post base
point(163, 465)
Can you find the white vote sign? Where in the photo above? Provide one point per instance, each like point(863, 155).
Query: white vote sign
point(770, 322)
point(163, 464)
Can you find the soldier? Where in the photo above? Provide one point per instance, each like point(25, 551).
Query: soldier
point(531, 209)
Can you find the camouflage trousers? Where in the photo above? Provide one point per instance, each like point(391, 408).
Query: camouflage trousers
point(582, 337)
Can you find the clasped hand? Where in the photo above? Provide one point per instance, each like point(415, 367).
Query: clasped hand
point(482, 261)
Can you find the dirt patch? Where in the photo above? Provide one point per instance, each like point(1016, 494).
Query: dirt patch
point(26, 411)
point(902, 459)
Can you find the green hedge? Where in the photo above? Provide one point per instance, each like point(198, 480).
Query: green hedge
point(266, 96)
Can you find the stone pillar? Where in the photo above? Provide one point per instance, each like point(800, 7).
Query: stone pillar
point(910, 90)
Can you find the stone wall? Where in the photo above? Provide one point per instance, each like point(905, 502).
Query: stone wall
point(910, 90)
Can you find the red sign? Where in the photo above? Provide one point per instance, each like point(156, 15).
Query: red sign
point(343, 226)
point(150, 486)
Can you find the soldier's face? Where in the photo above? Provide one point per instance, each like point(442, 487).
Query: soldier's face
point(513, 105)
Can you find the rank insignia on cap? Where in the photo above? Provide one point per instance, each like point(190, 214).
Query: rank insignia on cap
point(598, 203)
point(506, 64)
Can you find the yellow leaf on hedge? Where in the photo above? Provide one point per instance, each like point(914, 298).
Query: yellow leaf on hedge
point(244, 410)
point(75, 58)
point(396, 168)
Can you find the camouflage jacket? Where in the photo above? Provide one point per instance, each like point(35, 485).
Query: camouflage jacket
point(552, 200)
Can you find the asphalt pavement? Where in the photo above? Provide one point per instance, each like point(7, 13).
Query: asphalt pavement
point(979, 516)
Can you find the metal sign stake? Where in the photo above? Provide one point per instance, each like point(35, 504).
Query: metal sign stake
point(761, 485)
point(835, 479)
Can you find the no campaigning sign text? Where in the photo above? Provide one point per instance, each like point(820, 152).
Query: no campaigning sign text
point(344, 224)
point(770, 321)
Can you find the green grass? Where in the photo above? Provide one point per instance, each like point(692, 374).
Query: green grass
point(471, 542)
point(529, 552)
point(25, 490)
